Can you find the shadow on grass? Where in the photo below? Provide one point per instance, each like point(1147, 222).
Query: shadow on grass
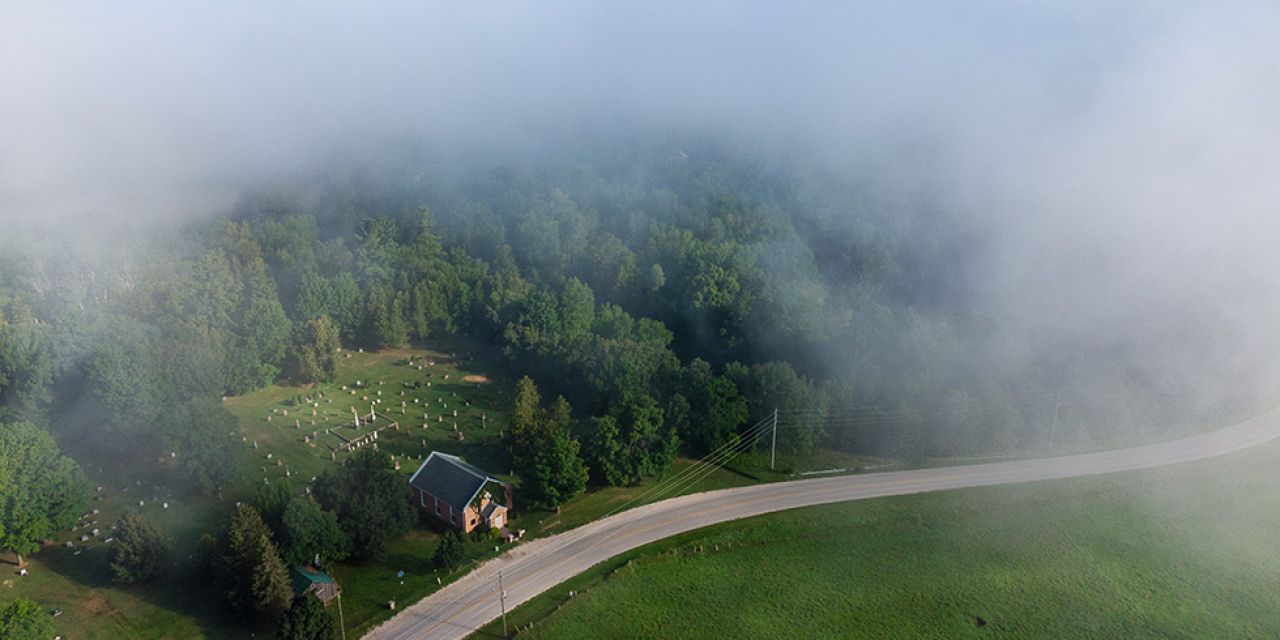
point(181, 591)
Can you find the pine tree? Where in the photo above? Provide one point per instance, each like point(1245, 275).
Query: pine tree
point(270, 586)
point(140, 550)
point(307, 619)
point(557, 472)
point(524, 415)
point(544, 453)
point(250, 570)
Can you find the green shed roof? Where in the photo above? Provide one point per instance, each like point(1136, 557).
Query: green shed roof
point(304, 577)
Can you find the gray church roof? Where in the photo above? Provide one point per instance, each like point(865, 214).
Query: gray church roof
point(450, 479)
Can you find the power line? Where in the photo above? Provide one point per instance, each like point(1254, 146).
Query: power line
point(712, 460)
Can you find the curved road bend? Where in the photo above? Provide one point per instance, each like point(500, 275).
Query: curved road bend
point(529, 569)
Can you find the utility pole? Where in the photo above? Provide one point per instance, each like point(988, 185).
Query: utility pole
point(342, 624)
point(1057, 403)
point(773, 447)
point(502, 598)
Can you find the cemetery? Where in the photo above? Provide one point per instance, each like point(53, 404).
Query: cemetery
point(404, 403)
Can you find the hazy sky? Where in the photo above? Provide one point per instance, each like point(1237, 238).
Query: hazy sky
point(1123, 154)
point(108, 99)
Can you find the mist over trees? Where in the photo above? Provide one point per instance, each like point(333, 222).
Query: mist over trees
point(943, 232)
point(672, 292)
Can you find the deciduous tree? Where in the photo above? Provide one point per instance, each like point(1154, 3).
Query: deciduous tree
point(313, 357)
point(372, 502)
point(23, 619)
point(310, 533)
point(41, 490)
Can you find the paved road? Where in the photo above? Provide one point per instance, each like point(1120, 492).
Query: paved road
point(529, 569)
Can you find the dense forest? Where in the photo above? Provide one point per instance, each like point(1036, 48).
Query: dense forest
point(686, 279)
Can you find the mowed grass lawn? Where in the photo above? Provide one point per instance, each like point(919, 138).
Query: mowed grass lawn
point(1189, 551)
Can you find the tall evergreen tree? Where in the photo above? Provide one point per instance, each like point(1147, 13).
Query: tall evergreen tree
point(270, 587)
point(312, 301)
point(384, 323)
point(307, 619)
point(140, 551)
point(524, 414)
point(250, 570)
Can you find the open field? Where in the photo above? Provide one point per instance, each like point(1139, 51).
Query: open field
point(1184, 551)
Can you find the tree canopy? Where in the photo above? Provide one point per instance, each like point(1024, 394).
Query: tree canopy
point(23, 619)
point(311, 535)
point(307, 619)
point(41, 490)
point(140, 550)
point(371, 499)
point(249, 569)
point(543, 450)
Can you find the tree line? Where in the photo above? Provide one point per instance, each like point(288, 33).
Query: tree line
point(659, 301)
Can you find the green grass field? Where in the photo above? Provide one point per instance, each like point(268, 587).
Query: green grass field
point(1181, 552)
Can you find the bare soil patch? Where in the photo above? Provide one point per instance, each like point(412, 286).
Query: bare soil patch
point(475, 378)
point(97, 604)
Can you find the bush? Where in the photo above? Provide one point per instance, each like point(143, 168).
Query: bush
point(448, 554)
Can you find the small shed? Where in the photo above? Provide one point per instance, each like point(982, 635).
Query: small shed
point(313, 580)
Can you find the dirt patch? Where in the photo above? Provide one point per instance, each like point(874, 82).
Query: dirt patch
point(475, 378)
point(97, 604)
